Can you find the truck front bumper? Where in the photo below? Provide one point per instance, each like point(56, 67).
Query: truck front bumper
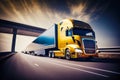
point(84, 55)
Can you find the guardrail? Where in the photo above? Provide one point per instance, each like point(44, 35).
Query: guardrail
point(109, 53)
point(109, 49)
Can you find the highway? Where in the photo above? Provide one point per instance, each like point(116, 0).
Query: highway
point(27, 67)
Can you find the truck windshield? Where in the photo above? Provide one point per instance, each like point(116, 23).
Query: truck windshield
point(83, 32)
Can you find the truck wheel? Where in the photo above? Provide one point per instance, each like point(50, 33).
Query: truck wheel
point(67, 54)
point(50, 54)
point(53, 55)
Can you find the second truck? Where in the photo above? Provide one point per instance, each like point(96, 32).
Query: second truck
point(69, 39)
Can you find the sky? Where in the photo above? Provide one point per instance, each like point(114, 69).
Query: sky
point(102, 15)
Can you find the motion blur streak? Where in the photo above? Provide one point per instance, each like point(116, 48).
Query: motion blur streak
point(40, 12)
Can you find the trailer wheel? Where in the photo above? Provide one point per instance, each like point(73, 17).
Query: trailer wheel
point(35, 54)
point(50, 54)
point(67, 54)
point(53, 55)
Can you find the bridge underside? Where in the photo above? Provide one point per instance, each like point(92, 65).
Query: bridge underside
point(19, 32)
point(18, 29)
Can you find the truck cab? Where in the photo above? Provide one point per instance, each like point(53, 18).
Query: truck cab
point(75, 39)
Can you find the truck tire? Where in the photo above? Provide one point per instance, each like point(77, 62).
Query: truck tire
point(35, 54)
point(67, 54)
point(50, 54)
point(53, 55)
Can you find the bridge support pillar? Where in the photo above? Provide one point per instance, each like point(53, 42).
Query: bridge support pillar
point(14, 40)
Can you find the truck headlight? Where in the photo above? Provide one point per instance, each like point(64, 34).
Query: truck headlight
point(97, 51)
point(78, 51)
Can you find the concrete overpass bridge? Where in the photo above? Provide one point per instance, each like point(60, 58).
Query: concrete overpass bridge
point(18, 29)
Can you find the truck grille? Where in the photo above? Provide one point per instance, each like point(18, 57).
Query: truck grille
point(89, 46)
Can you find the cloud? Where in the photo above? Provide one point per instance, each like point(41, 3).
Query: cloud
point(78, 11)
point(43, 13)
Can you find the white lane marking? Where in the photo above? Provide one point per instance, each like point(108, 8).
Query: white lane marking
point(36, 65)
point(109, 71)
point(77, 69)
point(81, 70)
point(90, 67)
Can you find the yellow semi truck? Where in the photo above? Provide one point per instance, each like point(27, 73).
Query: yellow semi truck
point(69, 39)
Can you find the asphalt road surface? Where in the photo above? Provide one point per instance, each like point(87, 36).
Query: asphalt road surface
point(27, 67)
